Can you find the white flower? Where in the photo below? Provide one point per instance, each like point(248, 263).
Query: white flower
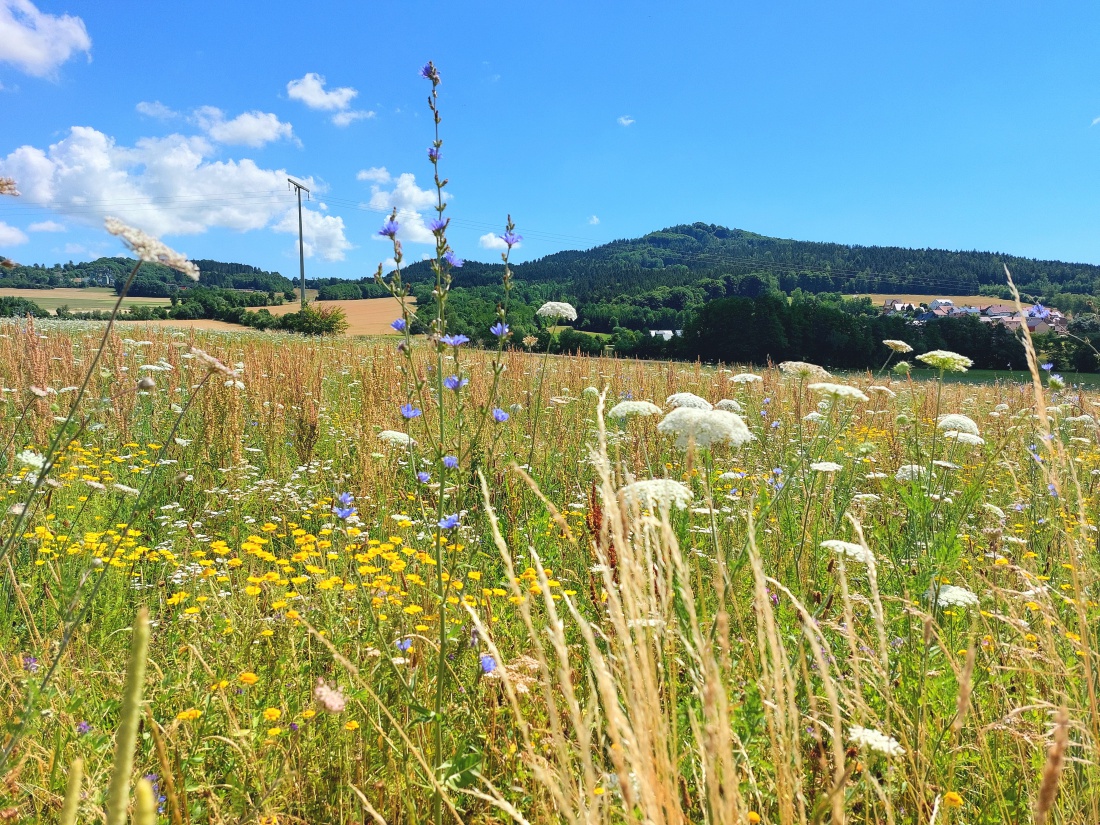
point(591, 391)
point(803, 371)
point(729, 405)
point(946, 360)
point(955, 421)
point(396, 438)
point(31, 459)
point(705, 427)
point(745, 378)
point(122, 488)
point(557, 309)
point(897, 346)
point(948, 595)
point(149, 249)
point(866, 497)
point(836, 391)
point(814, 416)
point(657, 494)
point(826, 467)
point(688, 399)
point(882, 389)
point(910, 472)
point(996, 511)
point(875, 740)
point(856, 552)
point(965, 438)
point(626, 409)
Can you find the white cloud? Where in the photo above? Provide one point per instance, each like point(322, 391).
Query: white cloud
point(321, 234)
point(409, 200)
point(166, 186)
point(1095, 120)
point(39, 43)
point(350, 116)
point(310, 90)
point(626, 120)
point(46, 226)
point(11, 235)
point(593, 221)
point(376, 174)
point(491, 241)
point(156, 109)
point(250, 129)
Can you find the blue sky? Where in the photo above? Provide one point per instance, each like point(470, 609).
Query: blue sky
point(954, 125)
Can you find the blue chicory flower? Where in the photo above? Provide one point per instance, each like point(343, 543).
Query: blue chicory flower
point(403, 644)
point(433, 154)
point(438, 225)
point(409, 411)
point(499, 415)
point(511, 238)
point(455, 340)
point(499, 329)
point(488, 663)
point(453, 382)
point(423, 477)
point(450, 462)
point(449, 522)
point(399, 325)
point(1048, 366)
point(389, 229)
point(450, 257)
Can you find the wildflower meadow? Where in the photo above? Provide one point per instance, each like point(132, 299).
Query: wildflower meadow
point(263, 578)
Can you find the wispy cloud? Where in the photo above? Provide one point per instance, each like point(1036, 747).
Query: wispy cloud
point(157, 110)
point(593, 220)
point(46, 226)
point(625, 120)
point(1095, 120)
point(310, 90)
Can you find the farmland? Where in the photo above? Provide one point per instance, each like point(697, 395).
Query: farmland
point(89, 299)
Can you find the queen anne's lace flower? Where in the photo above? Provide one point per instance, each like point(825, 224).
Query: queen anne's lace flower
point(910, 472)
point(838, 391)
point(949, 595)
point(628, 409)
point(875, 740)
point(746, 378)
point(814, 416)
point(30, 458)
point(729, 405)
point(657, 494)
point(396, 438)
point(705, 427)
point(946, 360)
point(804, 371)
point(881, 389)
point(897, 346)
point(955, 421)
point(856, 552)
point(965, 438)
point(688, 399)
point(557, 309)
point(826, 467)
point(149, 249)
point(993, 509)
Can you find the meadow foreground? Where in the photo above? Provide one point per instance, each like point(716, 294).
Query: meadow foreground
point(873, 601)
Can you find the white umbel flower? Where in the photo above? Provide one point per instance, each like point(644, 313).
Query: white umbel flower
point(729, 405)
point(946, 360)
point(826, 467)
point(993, 509)
point(149, 249)
point(804, 371)
point(875, 740)
point(629, 409)
point(705, 427)
point(949, 595)
point(657, 494)
point(814, 416)
point(32, 459)
point(965, 438)
point(897, 346)
point(688, 399)
point(557, 309)
point(851, 550)
point(883, 390)
point(836, 391)
point(746, 378)
point(910, 472)
point(956, 421)
point(398, 439)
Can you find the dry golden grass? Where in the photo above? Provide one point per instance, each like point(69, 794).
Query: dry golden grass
point(371, 316)
point(79, 300)
point(878, 298)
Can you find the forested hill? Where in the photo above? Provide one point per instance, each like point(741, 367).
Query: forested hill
point(691, 255)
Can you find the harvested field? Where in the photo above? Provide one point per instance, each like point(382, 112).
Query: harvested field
point(878, 298)
point(370, 316)
point(79, 300)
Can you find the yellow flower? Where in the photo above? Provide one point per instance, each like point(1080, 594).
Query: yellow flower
point(272, 714)
point(952, 800)
point(753, 817)
point(352, 725)
point(309, 714)
point(248, 678)
point(274, 731)
point(189, 715)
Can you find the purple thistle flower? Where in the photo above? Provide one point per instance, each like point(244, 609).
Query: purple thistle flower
point(450, 257)
point(449, 522)
point(453, 382)
point(499, 415)
point(450, 462)
point(399, 325)
point(455, 340)
point(433, 153)
point(438, 225)
point(499, 329)
point(511, 238)
point(293, 727)
point(389, 228)
point(488, 663)
point(423, 477)
point(409, 411)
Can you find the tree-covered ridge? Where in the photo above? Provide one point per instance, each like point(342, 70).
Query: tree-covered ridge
point(153, 280)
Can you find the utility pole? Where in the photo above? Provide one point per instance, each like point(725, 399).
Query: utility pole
point(301, 245)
